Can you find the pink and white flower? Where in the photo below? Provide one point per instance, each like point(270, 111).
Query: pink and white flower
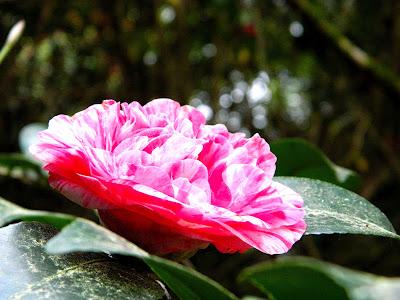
point(163, 179)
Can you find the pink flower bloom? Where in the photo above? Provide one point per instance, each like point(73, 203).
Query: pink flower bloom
point(163, 179)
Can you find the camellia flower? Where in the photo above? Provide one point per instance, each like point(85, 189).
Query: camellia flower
point(166, 181)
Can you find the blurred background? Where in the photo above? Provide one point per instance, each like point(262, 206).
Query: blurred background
point(327, 71)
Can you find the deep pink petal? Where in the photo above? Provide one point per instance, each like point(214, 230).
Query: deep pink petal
point(81, 195)
point(162, 178)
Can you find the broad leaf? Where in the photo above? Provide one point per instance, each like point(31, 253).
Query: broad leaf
point(10, 212)
point(28, 272)
point(187, 283)
point(85, 236)
point(82, 235)
point(304, 278)
point(332, 209)
point(299, 158)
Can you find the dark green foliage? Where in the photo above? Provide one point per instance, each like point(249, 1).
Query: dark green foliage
point(304, 278)
point(297, 157)
point(28, 272)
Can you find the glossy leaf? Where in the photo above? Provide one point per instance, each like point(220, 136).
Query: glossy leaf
point(28, 272)
point(332, 209)
point(304, 278)
point(10, 212)
point(85, 236)
point(299, 158)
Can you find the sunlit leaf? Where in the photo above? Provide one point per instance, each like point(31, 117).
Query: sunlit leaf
point(28, 272)
point(332, 209)
point(85, 236)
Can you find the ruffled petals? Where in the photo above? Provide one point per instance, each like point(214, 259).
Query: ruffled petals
point(162, 178)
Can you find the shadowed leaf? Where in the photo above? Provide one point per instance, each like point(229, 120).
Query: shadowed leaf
point(304, 278)
point(299, 158)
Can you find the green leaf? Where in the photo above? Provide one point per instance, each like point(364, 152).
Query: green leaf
point(28, 272)
point(12, 38)
point(187, 283)
point(13, 161)
point(85, 236)
point(297, 157)
point(304, 278)
point(82, 235)
point(10, 212)
point(332, 209)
